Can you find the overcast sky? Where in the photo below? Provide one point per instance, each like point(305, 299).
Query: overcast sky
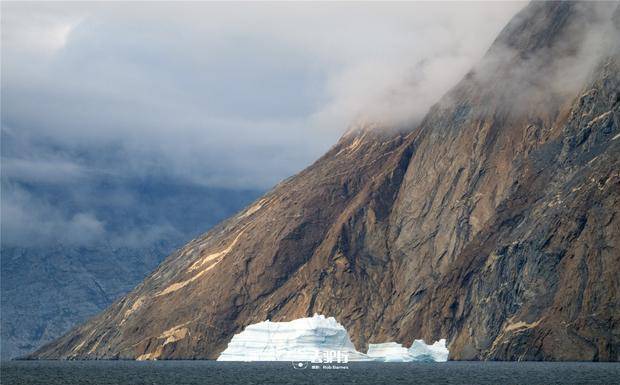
point(234, 95)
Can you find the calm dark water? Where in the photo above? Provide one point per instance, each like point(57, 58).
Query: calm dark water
point(210, 372)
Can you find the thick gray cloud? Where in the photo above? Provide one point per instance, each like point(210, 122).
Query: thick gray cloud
point(235, 96)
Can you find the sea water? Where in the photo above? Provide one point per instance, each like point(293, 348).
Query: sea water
point(212, 372)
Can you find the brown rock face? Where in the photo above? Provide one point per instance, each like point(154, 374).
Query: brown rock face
point(494, 223)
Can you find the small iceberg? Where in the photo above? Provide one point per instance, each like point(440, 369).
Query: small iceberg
point(419, 351)
point(389, 352)
point(316, 339)
point(437, 352)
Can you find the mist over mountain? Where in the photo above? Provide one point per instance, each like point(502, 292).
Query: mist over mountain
point(71, 247)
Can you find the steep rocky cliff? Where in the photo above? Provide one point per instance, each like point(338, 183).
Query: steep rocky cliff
point(493, 223)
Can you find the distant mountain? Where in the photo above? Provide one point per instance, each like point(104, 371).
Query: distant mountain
point(47, 291)
point(494, 223)
point(47, 288)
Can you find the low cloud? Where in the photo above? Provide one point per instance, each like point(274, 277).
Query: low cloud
point(538, 64)
point(225, 94)
point(31, 221)
point(207, 95)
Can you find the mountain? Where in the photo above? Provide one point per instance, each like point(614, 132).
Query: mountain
point(493, 223)
point(46, 289)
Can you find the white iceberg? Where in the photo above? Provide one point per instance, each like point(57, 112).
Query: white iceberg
point(320, 340)
point(317, 339)
point(437, 352)
point(419, 351)
point(389, 352)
